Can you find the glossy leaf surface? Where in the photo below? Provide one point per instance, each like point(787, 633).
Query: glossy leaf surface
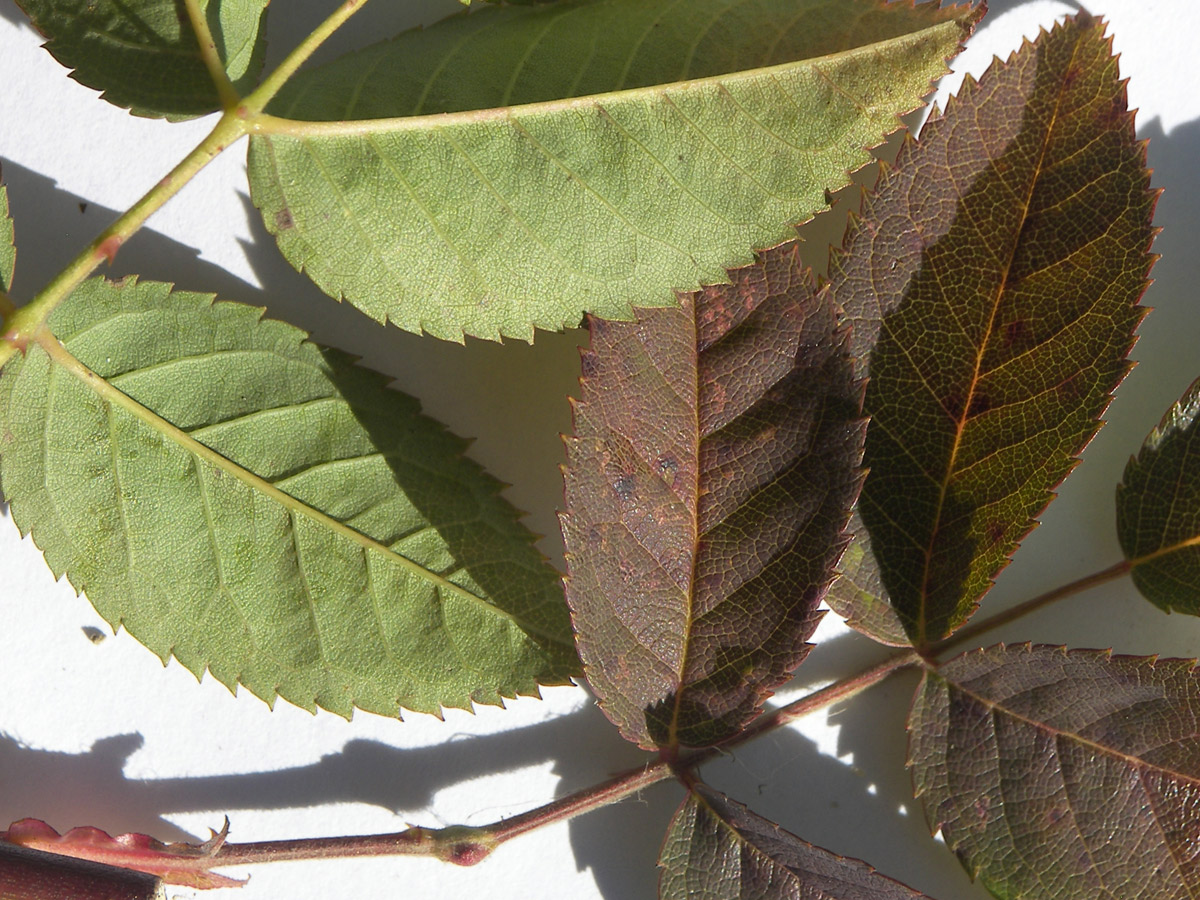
point(584, 155)
point(713, 466)
point(1158, 509)
point(259, 507)
point(999, 265)
point(143, 54)
point(720, 850)
point(1063, 775)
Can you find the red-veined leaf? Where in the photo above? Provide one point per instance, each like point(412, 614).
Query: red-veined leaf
point(714, 462)
point(999, 265)
point(1158, 509)
point(717, 848)
point(1063, 775)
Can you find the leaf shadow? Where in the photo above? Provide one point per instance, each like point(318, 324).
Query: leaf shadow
point(69, 789)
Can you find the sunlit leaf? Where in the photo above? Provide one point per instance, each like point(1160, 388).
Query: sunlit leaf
point(1006, 254)
point(714, 463)
point(1063, 775)
point(1158, 509)
point(720, 850)
point(580, 156)
point(259, 507)
point(144, 55)
point(184, 864)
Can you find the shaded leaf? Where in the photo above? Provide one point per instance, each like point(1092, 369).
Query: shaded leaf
point(178, 863)
point(858, 594)
point(258, 506)
point(720, 850)
point(714, 462)
point(1158, 509)
point(8, 245)
point(1063, 775)
point(1005, 254)
point(143, 54)
point(582, 155)
point(27, 874)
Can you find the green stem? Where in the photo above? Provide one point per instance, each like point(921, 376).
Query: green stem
point(257, 101)
point(26, 323)
point(212, 59)
point(20, 326)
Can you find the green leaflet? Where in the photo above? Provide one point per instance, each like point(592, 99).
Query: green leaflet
point(1158, 509)
point(143, 54)
point(258, 506)
point(1000, 266)
point(8, 247)
point(718, 849)
point(550, 165)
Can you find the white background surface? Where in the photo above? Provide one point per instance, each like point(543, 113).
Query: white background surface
point(102, 734)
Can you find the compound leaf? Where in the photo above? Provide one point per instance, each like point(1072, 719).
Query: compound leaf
point(260, 507)
point(144, 55)
point(720, 850)
point(714, 463)
point(1158, 509)
point(1000, 266)
point(1063, 775)
point(579, 155)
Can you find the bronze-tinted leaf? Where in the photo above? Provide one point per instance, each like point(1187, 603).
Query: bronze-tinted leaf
point(714, 462)
point(717, 848)
point(1064, 775)
point(1158, 509)
point(999, 265)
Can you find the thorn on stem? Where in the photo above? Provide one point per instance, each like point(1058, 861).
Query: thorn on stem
point(108, 248)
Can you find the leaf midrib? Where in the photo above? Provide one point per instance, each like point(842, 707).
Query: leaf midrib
point(62, 357)
point(981, 352)
point(994, 706)
point(271, 125)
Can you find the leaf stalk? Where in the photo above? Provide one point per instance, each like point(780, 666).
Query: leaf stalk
point(27, 323)
point(257, 100)
point(212, 59)
point(465, 845)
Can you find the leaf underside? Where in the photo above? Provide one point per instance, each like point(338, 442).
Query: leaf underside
point(718, 849)
point(714, 463)
point(260, 507)
point(143, 54)
point(1063, 775)
point(8, 246)
point(999, 266)
point(1158, 509)
point(697, 131)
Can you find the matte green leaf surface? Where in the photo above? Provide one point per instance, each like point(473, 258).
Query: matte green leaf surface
point(144, 55)
point(584, 155)
point(1158, 509)
point(260, 507)
point(8, 246)
point(1063, 775)
point(714, 463)
point(999, 265)
point(718, 849)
